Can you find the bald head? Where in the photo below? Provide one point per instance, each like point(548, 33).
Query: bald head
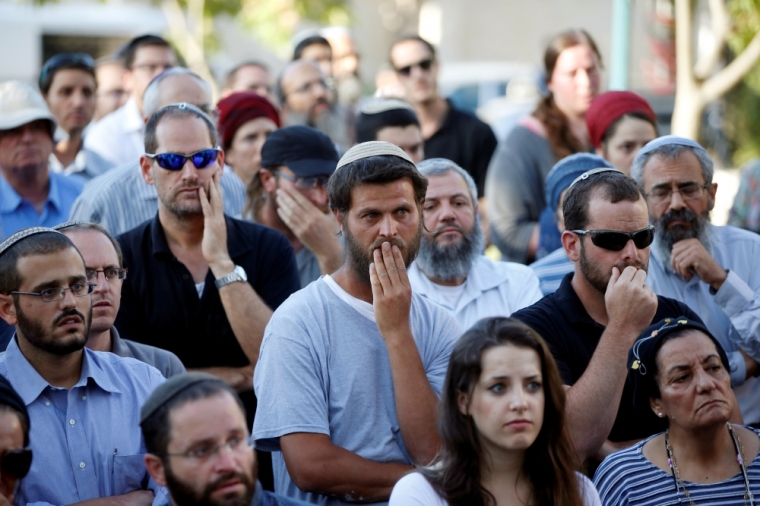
point(174, 86)
point(302, 91)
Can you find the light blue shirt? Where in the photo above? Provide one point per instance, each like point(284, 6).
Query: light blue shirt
point(732, 314)
point(120, 199)
point(491, 289)
point(324, 368)
point(551, 269)
point(86, 441)
point(17, 213)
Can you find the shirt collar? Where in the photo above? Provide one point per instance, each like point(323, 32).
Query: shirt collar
point(29, 384)
point(117, 344)
point(236, 244)
point(569, 304)
point(9, 199)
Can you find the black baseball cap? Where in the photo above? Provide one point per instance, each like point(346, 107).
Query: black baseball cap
point(304, 150)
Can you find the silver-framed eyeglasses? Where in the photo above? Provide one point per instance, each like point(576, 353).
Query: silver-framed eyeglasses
point(111, 274)
point(207, 451)
point(59, 292)
point(306, 183)
point(690, 191)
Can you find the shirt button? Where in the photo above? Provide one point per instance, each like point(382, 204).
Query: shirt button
point(72, 422)
point(184, 276)
point(84, 397)
point(82, 465)
point(47, 403)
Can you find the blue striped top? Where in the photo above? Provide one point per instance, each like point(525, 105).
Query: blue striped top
point(551, 269)
point(628, 478)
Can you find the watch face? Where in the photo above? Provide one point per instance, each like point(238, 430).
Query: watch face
point(241, 272)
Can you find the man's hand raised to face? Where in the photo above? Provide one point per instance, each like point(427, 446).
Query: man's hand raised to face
point(391, 291)
point(214, 244)
point(690, 257)
point(630, 303)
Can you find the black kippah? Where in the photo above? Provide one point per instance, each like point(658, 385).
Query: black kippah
point(169, 389)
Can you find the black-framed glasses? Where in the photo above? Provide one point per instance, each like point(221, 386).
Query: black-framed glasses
point(16, 463)
point(308, 87)
point(306, 183)
point(111, 274)
point(690, 191)
point(207, 451)
point(615, 240)
point(59, 292)
point(425, 65)
point(175, 161)
point(62, 60)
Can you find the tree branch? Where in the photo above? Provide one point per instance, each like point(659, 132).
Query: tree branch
point(724, 80)
point(721, 24)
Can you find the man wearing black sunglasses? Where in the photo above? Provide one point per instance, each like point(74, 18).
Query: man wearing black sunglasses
point(15, 455)
point(600, 309)
point(713, 268)
point(83, 406)
point(448, 132)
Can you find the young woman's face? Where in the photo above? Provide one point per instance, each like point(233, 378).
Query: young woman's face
point(575, 80)
point(631, 134)
point(507, 403)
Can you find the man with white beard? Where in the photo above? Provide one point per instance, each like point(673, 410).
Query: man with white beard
point(712, 269)
point(450, 268)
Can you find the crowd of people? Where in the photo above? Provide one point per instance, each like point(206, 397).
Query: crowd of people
point(283, 298)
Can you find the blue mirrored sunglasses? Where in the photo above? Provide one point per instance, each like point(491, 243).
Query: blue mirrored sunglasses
point(175, 161)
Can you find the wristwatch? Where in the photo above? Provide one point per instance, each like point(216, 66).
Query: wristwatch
point(237, 274)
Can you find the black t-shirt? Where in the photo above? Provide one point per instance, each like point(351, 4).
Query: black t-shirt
point(572, 336)
point(466, 141)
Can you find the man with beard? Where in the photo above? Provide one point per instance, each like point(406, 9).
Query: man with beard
point(104, 264)
point(710, 268)
point(600, 309)
point(198, 445)
point(307, 98)
point(451, 269)
point(296, 163)
point(352, 366)
point(83, 406)
point(201, 284)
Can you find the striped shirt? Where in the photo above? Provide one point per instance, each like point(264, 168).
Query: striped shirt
point(628, 478)
point(120, 199)
point(551, 269)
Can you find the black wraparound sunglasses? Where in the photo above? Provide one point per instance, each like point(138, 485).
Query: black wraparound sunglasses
point(16, 463)
point(614, 240)
point(425, 65)
point(175, 161)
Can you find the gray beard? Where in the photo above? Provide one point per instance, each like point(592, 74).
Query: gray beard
point(453, 261)
point(666, 237)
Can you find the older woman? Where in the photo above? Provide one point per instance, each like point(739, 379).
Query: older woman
point(680, 375)
point(15, 456)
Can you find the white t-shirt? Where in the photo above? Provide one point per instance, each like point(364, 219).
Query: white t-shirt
point(414, 490)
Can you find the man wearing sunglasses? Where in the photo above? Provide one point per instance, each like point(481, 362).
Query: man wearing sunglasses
point(118, 136)
point(601, 308)
point(448, 132)
point(296, 163)
point(15, 454)
point(67, 81)
point(104, 263)
point(83, 406)
point(713, 268)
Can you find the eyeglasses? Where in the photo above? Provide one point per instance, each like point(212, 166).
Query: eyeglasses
point(175, 161)
point(309, 86)
point(110, 274)
point(615, 241)
point(16, 463)
point(58, 293)
point(66, 60)
point(689, 191)
point(425, 65)
point(206, 452)
point(306, 183)
point(152, 68)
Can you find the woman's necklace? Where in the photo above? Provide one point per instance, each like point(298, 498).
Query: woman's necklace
point(739, 458)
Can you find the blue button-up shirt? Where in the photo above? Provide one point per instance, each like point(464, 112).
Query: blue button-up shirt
point(17, 213)
point(732, 314)
point(86, 441)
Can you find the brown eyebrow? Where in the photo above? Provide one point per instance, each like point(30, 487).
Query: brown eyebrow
point(57, 282)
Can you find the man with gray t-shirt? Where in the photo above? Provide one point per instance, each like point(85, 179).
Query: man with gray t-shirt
point(351, 367)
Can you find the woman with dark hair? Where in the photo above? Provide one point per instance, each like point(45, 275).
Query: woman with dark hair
point(681, 378)
point(502, 426)
point(15, 455)
point(556, 129)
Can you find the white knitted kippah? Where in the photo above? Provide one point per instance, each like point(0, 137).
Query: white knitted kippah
point(591, 172)
point(372, 148)
point(23, 234)
point(379, 104)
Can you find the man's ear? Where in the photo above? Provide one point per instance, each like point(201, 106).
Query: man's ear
point(711, 191)
point(572, 244)
point(155, 467)
point(146, 164)
point(8, 310)
point(268, 180)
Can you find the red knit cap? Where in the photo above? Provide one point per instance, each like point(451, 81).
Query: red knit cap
point(239, 108)
point(608, 107)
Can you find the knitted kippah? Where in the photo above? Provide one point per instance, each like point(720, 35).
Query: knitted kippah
point(591, 172)
point(666, 140)
point(23, 234)
point(369, 149)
